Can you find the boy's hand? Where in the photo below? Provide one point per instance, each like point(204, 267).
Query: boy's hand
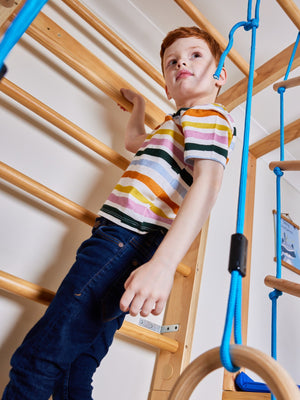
point(131, 96)
point(147, 289)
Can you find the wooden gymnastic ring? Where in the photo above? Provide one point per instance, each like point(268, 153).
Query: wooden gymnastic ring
point(275, 376)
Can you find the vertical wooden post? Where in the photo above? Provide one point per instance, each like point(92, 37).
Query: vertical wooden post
point(181, 309)
point(228, 382)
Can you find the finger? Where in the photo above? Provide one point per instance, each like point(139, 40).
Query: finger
point(136, 305)
point(159, 306)
point(128, 281)
point(147, 307)
point(126, 299)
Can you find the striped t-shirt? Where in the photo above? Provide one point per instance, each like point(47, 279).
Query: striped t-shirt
point(151, 190)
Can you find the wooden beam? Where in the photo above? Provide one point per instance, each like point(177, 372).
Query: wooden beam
point(293, 165)
point(283, 285)
point(291, 10)
point(272, 141)
point(169, 366)
point(193, 12)
point(267, 74)
point(65, 47)
point(31, 291)
point(288, 83)
point(87, 15)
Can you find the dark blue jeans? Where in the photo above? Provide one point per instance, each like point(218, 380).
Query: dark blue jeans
point(62, 351)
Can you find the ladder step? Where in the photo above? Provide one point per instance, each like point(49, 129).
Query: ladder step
point(288, 83)
point(283, 285)
point(293, 165)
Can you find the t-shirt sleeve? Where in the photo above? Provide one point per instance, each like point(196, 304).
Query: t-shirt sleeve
point(209, 134)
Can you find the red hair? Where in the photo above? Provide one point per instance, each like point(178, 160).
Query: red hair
point(193, 31)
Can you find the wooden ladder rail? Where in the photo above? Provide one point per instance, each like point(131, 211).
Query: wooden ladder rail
point(29, 290)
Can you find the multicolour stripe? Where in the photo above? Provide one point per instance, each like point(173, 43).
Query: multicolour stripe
point(151, 190)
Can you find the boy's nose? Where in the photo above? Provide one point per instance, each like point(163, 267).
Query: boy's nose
point(181, 63)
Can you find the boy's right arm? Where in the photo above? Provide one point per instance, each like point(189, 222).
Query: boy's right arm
point(135, 132)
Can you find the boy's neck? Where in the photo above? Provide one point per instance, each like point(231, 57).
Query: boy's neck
point(196, 102)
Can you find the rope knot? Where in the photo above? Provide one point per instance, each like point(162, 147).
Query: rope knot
point(277, 171)
point(253, 23)
point(281, 89)
point(275, 294)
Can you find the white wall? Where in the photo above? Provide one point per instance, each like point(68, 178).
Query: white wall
point(38, 243)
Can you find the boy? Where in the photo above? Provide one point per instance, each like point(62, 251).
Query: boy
point(145, 227)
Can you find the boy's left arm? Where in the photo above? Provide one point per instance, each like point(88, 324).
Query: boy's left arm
point(148, 287)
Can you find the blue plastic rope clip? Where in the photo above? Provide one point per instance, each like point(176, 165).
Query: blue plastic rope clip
point(238, 254)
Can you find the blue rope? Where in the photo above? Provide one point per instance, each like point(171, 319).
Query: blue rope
point(292, 57)
point(233, 315)
point(24, 18)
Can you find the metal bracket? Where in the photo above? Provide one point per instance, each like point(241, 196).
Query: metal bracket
point(158, 328)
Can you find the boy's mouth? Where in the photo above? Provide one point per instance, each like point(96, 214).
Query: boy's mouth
point(183, 74)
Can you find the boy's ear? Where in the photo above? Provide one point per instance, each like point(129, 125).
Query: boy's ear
point(169, 97)
point(222, 79)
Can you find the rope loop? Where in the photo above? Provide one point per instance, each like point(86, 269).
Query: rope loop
point(277, 171)
point(253, 23)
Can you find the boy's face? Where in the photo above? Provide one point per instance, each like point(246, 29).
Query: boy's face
point(188, 68)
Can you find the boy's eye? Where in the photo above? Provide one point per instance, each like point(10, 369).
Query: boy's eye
point(172, 62)
point(196, 55)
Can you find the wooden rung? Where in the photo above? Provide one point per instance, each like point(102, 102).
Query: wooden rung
point(41, 109)
point(31, 291)
point(288, 83)
point(73, 53)
point(183, 269)
point(42, 192)
point(227, 395)
point(283, 285)
point(293, 165)
point(291, 10)
point(193, 12)
point(114, 39)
